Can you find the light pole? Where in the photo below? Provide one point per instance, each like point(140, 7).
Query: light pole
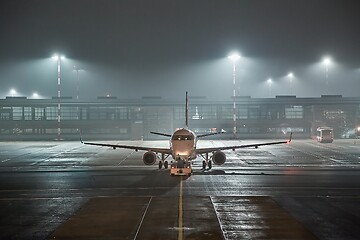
point(234, 57)
point(290, 76)
point(77, 69)
point(327, 62)
point(58, 59)
point(269, 81)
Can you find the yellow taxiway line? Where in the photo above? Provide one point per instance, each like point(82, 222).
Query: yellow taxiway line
point(180, 233)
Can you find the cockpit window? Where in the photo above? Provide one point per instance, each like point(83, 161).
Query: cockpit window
point(182, 137)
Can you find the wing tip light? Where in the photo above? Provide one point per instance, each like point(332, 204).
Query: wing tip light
point(290, 138)
point(80, 136)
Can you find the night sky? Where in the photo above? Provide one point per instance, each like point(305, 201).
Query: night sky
point(131, 49)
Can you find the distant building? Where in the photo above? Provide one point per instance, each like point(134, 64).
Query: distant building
point(116, 119)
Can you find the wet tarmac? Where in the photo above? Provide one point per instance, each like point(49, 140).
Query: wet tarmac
point(66, 190)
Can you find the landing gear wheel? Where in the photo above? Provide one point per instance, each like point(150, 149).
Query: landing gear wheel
point(160, 164)
point(203, 165)
point(166, 164)
point(209, 164)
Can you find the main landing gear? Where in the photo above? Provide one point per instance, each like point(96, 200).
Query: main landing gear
point(165, 164)
point(163, 161)
point(206, 162)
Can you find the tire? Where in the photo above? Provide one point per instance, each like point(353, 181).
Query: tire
point(204, 165)
point(160, 164)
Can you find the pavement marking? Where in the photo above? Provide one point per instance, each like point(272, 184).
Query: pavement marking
point(161, 220)
point(180, 232)
point(221, 227)
point(104, 218)
point(211, 218)
point(258, 217)
point(142, 219)
point(127, 156)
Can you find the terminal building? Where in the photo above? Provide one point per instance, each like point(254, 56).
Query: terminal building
point(119, 119)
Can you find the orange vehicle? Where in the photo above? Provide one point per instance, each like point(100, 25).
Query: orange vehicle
point(180, 168)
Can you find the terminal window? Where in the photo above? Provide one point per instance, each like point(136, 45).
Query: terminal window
point(294, 112)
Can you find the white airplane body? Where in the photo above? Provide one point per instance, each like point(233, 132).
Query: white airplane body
point(183, 144)
point(183, 147)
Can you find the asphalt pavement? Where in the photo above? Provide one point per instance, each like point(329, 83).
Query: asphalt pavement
point(66, 190)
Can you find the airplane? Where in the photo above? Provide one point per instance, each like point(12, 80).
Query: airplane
point(183, 149)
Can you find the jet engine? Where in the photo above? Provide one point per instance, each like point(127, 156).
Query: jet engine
point(219, 158)
point(149, 158)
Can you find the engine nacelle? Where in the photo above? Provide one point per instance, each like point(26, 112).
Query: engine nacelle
point(149, 158)
point(219, 158)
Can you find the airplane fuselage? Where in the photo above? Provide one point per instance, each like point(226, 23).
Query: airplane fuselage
point(183, 144)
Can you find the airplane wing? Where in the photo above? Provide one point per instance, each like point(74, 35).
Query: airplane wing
point(161, 134)
point(199, 136)
point(209, 134)
point(256, 145)
point(136, 148)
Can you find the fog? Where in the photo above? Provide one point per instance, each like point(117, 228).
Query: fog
point(131, 49)
point(212, 79)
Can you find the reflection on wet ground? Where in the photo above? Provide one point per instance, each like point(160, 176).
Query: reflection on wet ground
point(304, 190)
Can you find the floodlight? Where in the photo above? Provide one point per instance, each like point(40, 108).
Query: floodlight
point(327, 61)
point(57, 57)
point(234, 57)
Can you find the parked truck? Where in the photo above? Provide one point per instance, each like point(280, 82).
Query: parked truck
point(325, 134)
